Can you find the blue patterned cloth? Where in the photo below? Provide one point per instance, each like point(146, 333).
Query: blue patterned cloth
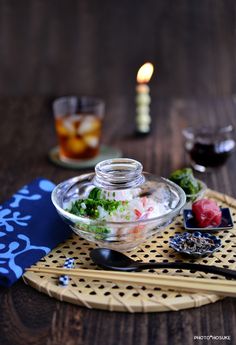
point(29, 229)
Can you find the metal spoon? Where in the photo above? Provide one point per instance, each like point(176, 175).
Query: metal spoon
point(113, 260)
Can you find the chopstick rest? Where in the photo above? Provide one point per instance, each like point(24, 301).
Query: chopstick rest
point(64, 279)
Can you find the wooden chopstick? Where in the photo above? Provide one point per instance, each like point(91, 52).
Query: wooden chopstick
point(219, 287)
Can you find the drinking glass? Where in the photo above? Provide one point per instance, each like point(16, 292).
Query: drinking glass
point(208, 147)
point(78, 122)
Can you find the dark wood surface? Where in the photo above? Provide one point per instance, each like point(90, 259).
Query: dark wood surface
point(61, 47)
point(26, 135)
point(56, 47)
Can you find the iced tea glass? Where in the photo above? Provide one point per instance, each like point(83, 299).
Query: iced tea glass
point(78, 122)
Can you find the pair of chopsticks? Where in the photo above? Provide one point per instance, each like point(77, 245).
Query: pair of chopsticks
point(220, 286)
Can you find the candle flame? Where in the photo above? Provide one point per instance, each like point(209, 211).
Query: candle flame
point(145, 72)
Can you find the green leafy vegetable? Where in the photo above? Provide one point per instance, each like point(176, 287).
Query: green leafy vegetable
point(89, 207)
point(185, 179)
point(100, 231)
point(95, 194)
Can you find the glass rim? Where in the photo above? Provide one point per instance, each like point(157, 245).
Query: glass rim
point(191, 132)
point(90, 101)
point(95, 99)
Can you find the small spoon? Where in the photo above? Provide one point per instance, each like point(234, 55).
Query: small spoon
point(113, 260)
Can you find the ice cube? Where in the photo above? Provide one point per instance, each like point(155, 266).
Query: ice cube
point(88, 124)
point(69, 126)
point(91, 140)
point(76, 145)
point(65, 127)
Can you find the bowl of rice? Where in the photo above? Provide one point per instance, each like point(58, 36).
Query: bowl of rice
point(118, 206)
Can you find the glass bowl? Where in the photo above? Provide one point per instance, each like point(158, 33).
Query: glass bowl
point(118, 206)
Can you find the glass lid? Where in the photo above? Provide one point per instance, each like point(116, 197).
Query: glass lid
point(119, 191)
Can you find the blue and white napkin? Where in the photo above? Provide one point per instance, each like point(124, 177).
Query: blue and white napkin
point(29, 229)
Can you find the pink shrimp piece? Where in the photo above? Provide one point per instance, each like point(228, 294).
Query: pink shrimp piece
point(137, 213)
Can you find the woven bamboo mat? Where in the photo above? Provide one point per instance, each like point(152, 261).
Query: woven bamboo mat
point(129, 297)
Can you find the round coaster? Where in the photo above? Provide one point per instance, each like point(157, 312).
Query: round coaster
point(106, 152)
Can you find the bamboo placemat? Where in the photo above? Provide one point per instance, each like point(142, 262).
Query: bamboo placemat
point(129, 297)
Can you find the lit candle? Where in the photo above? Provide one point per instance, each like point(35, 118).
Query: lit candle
point(143, 99)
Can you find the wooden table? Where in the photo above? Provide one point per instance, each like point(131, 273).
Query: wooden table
point(26, 135)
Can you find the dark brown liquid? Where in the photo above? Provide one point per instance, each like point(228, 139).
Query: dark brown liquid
point(211, 155)
point(76, 145)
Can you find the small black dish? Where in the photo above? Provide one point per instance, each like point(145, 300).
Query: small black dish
point(190, 224)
